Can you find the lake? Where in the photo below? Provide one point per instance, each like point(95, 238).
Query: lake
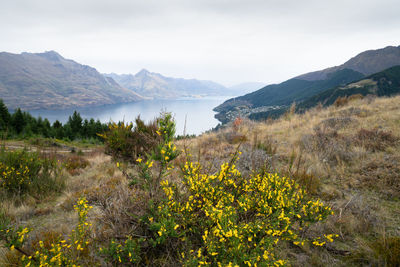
point(197, 111)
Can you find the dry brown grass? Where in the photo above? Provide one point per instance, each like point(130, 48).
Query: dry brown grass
point(347, 154)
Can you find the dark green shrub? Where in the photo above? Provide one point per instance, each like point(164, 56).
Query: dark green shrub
point(128, 143)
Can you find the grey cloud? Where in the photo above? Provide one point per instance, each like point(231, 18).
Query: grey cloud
point(224, 40)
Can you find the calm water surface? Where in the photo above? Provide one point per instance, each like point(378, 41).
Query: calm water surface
point(198, 112)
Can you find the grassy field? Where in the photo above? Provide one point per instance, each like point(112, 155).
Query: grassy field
point(347, 156)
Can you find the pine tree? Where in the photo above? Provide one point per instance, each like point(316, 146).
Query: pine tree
point(18, 121)
point(4, 116)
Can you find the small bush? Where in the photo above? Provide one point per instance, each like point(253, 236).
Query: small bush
point(27, 172)
point(355, 97)
point(297, 170)
point(268, 145)
point(375, 139)
point(341, 101)
point(330, 146)
point(74, 163)
point(230, 219)
point(214, 219)
point(336, 123)
point(128, 143)
point(381, 174)
point(235, 138)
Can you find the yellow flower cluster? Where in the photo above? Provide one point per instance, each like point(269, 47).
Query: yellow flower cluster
point(65, 252)
point(168, 153)
point(240, 219)
point(120, 125)
point(13, 178)
point(122, 253)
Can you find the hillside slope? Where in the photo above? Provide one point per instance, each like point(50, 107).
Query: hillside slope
point(367, 62)
point(156, 86)
point(310, 84)
point(47, 80)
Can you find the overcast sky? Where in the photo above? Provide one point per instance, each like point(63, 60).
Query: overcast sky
point(227, 41)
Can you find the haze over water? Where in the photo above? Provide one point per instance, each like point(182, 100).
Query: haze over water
point(198, 112)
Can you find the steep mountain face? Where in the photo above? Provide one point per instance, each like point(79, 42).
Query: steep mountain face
point(154, 85)
point(47, 80)
point(274, 99)
point(367, 62)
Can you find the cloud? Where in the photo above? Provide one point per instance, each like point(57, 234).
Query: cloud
point(224, 40)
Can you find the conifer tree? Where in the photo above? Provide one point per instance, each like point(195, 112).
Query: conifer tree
point(18, 121)
point(4, 116)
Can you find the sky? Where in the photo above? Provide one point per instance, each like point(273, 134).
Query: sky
point(227, 41)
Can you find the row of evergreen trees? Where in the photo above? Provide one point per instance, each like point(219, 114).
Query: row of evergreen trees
point(23, 124)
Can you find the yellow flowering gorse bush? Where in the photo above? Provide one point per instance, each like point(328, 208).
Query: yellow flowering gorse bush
point(221, 219)
point(237, 220)
point(24, 172)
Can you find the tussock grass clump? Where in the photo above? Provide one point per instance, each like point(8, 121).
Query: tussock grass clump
point(375, 139)
point(381, 174)
point(330, 146)
point(74, 163)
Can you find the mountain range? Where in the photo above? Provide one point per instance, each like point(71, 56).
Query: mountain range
point(156, 86)
point(47, 80)
point(273, 100)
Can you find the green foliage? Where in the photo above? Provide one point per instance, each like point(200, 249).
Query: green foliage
point(18, 121)
point(128, 143)
point(23, 125)
point(226, 218)
point(5, 116)
point(215, 219)
point(126, 252)
point(25, 172)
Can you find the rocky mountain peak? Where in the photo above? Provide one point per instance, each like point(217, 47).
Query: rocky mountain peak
point(143, 72)
point(51, 55)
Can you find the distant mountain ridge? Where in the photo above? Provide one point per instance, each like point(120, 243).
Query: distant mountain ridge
point(156, 86)
point(48, 80)
point(273, 99)
point(367, 63)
